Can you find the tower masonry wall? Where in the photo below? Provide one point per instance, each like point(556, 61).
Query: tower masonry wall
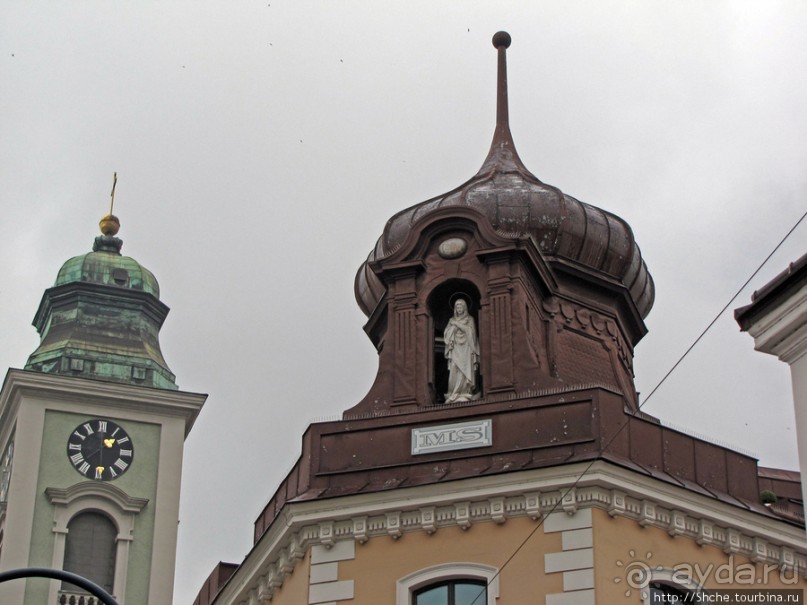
point(55, 471)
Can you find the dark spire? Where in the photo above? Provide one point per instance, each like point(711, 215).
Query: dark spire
point(501, 41)
point(502, 156)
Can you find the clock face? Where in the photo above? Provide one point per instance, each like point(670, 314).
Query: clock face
point(100, 449)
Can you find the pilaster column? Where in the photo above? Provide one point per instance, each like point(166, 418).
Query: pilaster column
point(499, 324)
point(403, 329)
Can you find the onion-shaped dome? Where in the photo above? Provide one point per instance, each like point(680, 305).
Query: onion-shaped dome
point(519, 205)
point(105, 265)
point(102, 318)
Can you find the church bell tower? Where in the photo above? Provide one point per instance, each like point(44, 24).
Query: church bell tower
point(91, 436)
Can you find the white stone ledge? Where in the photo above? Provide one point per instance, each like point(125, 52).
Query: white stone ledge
point(579, 597)
point(329, 592)
point(577, 538)
point(565, 522)
point(324, 572)
point(569, 560)
point(343, 550)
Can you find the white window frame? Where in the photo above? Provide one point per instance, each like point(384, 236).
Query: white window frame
point(445, 572)
point(95, 496)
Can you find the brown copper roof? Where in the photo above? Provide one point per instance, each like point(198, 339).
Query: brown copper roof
point(345, 457)
point(518, 205)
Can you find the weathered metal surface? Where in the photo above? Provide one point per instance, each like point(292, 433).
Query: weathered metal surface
point(518, 205)
point(374, 454)
point(106, 265)
point(102, 320)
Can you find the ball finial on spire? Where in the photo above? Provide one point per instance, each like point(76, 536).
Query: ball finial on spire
point(501, 40)
point(110, 225)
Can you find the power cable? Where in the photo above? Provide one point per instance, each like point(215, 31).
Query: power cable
point(702, 334)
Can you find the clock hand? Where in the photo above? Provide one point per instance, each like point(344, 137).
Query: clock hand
point(99, 467)
point(94, 452)
point(108, 443)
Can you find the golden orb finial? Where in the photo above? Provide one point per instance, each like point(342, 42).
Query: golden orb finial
point(110, 225)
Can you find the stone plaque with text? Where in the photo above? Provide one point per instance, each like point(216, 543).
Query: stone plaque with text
point(448, 437)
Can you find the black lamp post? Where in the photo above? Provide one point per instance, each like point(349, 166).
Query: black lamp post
point(58, 574)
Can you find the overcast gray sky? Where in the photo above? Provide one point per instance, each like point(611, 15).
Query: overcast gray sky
point(261, 146)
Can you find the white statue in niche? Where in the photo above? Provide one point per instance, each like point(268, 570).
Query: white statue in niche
point(462, 353)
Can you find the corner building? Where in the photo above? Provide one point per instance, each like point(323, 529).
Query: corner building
point(92, 433)
point(542, 482)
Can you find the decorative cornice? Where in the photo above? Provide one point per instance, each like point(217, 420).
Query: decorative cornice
point(781, 330)
point(95, 489)
point(532, 494)
point(160, 402)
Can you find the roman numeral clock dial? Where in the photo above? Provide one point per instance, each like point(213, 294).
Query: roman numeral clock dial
point(100, 450)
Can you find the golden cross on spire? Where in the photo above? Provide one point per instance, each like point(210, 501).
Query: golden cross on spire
point(112, 195)
point(110, 224)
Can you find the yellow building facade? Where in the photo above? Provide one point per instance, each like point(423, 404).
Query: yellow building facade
point(612, 538)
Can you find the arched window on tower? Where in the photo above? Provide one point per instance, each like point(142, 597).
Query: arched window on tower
point(90, 550)
point(442, 305)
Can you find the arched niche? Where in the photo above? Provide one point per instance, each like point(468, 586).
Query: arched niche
point(440, 304)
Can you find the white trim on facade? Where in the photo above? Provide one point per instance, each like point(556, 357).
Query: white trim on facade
point(405, 586)
point(576, 559)
point(781, 329)
point(94, 496)
point(533, 494)
point(324, 586)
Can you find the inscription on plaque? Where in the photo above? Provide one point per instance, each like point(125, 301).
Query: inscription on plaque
point(448, 437)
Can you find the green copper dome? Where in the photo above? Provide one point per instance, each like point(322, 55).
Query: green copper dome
point(105, 265)
point(102, 318)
